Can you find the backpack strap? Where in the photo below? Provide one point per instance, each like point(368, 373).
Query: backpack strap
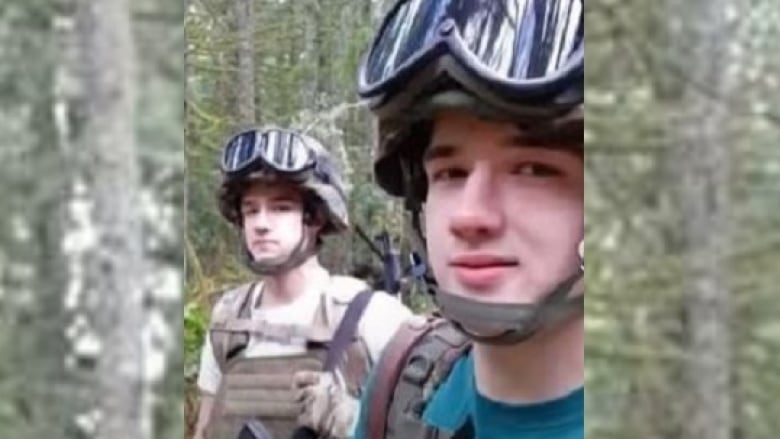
point(345, 333)
point(342, 338)
point(414, 363)
point(388, 370)
point(346, 347)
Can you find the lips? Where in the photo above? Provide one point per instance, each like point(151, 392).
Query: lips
point(481, 260)
point(481, 271)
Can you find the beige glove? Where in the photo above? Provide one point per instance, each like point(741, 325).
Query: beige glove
point(326, 407)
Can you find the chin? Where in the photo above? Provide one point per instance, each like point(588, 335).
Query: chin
point(484, 294)
point(264, 257)
point(513, 293)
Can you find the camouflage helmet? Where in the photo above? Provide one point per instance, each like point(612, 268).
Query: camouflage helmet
point(322, 182)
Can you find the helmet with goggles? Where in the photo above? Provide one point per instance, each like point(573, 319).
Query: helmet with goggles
point(519, 61)
point(276, 155)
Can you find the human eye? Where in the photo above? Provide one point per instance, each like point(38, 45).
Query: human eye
point(446, 173)
point(248, 210)
point(535, 169)
point(284, 206)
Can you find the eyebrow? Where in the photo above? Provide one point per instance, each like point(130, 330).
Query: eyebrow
point(531, 140)
point(248, 201)
point(514, 141)
point(441, 151)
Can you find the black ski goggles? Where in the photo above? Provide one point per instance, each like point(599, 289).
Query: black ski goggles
point(278, 150)
point(528, 50)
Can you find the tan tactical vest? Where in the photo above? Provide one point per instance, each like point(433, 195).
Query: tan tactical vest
point(261, 388)
point(413, 364)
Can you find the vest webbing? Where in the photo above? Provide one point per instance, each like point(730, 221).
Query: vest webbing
point(261, 387)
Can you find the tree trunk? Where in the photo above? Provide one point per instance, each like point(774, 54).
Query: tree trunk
point(245, 24)
point(113, 272)
point(703, 160)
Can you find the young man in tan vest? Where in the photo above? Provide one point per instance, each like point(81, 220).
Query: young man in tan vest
point(479, 111)
point(263, 358)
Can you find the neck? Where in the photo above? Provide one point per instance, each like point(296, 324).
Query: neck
point(547, 366)
point(284, 288)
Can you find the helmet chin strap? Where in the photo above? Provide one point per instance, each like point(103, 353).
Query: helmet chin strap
point(506, 323)
point(499, 323)
point(512, 323)
point(304, 249)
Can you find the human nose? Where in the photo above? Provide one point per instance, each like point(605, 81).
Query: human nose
point(260, 222)
point(477, 215)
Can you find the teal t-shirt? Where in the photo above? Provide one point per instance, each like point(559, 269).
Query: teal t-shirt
point(457, 400)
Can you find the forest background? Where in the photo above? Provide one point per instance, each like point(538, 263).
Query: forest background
point(682, 183)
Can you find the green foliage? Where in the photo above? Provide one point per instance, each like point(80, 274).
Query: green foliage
point(195, 324)
point(41, 395)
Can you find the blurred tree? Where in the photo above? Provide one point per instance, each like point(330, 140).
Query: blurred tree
point(59, 306)
point(682, 169)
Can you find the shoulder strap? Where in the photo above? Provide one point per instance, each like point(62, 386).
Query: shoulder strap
point(406, 381)
point(342, 338)
point(233, 303)
point(387, 372)
point(345, 333)
point(335, 298)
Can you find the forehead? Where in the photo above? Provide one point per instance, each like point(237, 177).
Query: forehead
point(458, 131)
point(264, 191)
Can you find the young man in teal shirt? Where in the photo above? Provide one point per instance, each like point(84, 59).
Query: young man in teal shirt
point(480, 129)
